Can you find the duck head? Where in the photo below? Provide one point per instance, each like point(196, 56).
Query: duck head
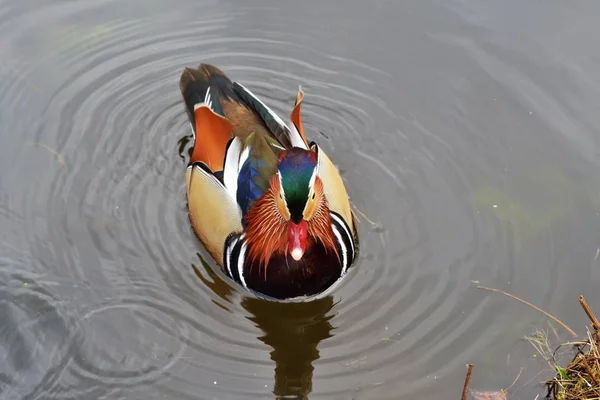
point(293, 215)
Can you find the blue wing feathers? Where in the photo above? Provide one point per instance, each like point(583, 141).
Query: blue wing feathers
point(250, 185)
point(256, 171)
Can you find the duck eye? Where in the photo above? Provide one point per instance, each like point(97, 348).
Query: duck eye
point(313, 196)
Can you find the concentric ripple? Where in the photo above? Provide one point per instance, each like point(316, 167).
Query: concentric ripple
point(113, 295)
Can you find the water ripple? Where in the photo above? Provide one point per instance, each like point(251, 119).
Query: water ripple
point(153, 313)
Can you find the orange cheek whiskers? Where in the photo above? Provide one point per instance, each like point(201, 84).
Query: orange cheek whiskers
point(265, 231)
point(320, 229)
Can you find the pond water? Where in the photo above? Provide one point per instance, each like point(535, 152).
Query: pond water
point(466, 133)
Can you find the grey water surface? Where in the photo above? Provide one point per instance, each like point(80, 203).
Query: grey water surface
point(467, 133)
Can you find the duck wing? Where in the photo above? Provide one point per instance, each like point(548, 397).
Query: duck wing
point(287, 135)
point(213, 212)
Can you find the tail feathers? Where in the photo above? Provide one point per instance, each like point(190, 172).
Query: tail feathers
point(205, 85)
point(203, 91)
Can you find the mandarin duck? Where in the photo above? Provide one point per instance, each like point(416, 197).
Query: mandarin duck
point(268, 206)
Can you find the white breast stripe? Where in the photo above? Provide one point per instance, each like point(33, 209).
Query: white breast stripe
point(338, 236)
point(343, 225)
point(228, 256)
point(240, 264)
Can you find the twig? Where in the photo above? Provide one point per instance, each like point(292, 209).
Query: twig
point(515, 381)
point(465, 392)
point(591, 316)
point(59, 157)
point(531, 380)
point(571, 331)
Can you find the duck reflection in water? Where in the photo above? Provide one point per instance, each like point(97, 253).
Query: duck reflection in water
point(293, 330)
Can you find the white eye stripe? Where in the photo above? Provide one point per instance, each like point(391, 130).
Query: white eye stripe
point(280, 182)
point(281, 191)
point(313, 177)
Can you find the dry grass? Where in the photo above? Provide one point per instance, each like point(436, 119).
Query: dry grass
point(580, 379)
